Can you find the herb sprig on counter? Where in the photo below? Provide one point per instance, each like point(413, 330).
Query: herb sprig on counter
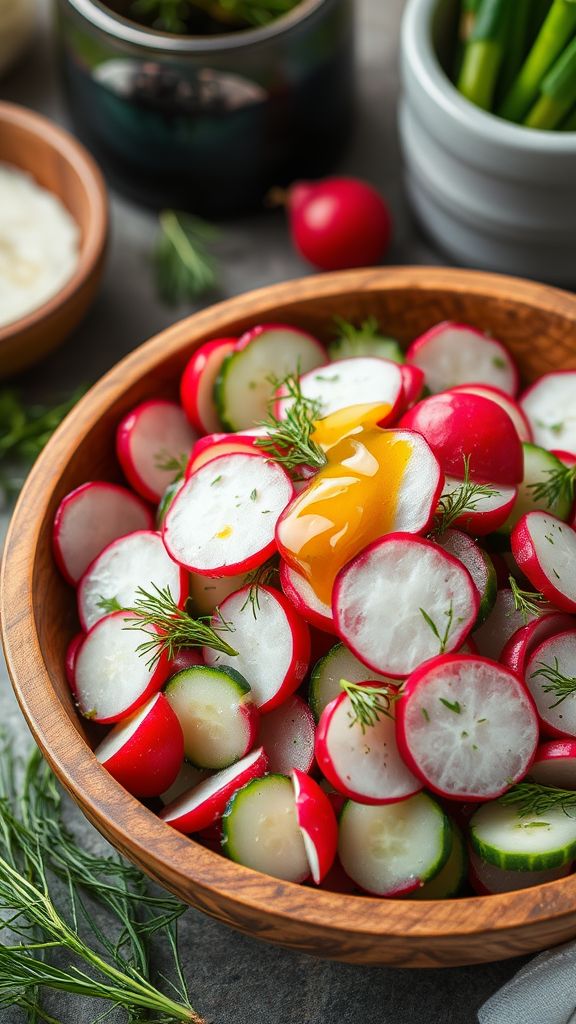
point(111, 964)
point(184, 264)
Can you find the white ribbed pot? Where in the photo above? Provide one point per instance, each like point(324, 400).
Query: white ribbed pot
point(491, 194)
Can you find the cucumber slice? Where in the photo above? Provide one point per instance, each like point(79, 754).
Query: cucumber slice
point(243, 387)
point(539, 465)
point(166, 500)
point(217, 713)
point(450, 879)
point(260, 829)
point(479, 565)
point(501, 837)
point(338, 664)
point(391, 849)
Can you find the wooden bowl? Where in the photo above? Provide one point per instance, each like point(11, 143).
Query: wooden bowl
point(60, 164)
point(538, 324)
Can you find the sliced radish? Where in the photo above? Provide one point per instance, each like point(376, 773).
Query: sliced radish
point(422, 601)
point(202, 805)
point(197, 383)
point(139, 560)
point(555, 764)
point(317, 823)
point(70, 660)
point(566, 458)
point(223, 520)
point(209, 448)
point(466, 727)
point(186, 657)
point(413, 382)
point(489, 512)
point(90, 518)
point(272, 641)
point(305, 600)
point(358, 381)
point(545, 550)
point(526, 639)
point(362, 763)
point(144, 752)
point(550, 405)
point(458, 426)
point(111, 680)
point(208, 592)
point(260, 829)
point(188, 777)
point(349, 504)
point(287, 735)
point(486, 879)
point(502, 623)
point(270, 351)
point(551, 679)
point(515, 412)
point(166, 500)
point(390, 851)
point(479, 565)
point(452, 353)
point(217, 714)
point(539, 465)
point(151, 435)
point(338, 663)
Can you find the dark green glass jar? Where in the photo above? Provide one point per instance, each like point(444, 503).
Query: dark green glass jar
point(210, 123)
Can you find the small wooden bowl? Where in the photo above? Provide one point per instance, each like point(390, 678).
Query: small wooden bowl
point(538, 324)
point(60, 164)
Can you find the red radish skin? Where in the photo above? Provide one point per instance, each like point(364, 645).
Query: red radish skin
point(360, 380)
point(452, 353)
point(306, 602)
point(458, 426)
point(548, 405)
point(186, 657)
point(545, 549)
point(489, 513)
point(317, 823)
point(238, 498)
point(201, 806)
point(437, 587)
point(138, 560)
point(567, 458)
point(111, 680)
point(144, 753)
point(272, 641)
point(287, 735)
point(515, 412)
point(197, 383)
point(526, 639)
point(555, 764)
point(70, 661)
point(91, 517)
point(150, 433)
point(211, 447)
point(466, 727)
point(414, 382)
point(557, 711)
point(339, 223)
point(364, 766)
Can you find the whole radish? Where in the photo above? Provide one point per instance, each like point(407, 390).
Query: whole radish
point(338, 223)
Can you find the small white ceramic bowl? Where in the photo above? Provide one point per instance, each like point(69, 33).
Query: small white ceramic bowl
point(490, 193)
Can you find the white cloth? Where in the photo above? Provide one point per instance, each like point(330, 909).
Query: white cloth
point(543, 992)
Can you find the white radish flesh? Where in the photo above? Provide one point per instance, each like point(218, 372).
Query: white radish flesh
point(361, 380)
point(222, 522)
point(272, 642)
point(208, 592)
point(466, 726)
point(216, 712)
point(490, 511)
point(502, 623)
point(422, 602)
point(204, 804)
point(338, 664)
point(150, 436)
point(301, 593)
point(453, 353)
point(260, 829)
point(550, 405)
point(287, 735)
point(555, 764)
point(545, 549)
point(551, 679)
point(139, 560)
point(90, 518)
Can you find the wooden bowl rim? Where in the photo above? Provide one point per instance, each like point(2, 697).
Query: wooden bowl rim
point(95, 236)
point(188, 866)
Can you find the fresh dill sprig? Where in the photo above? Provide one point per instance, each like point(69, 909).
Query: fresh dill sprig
point(461, 500)
point(172, 463)
point(527, 602)
point(170, 628)
point(263, 576)
point(109, 604)
point(556, 682)
point(368, 703)
point(561, 483)
point(365, 331)
point(173, 15)
point(185, 268)
point(35, 847)
point(441, 637)
point(533, 800)
point(289, 441)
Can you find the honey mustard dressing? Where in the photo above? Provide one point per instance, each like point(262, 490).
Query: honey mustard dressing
point(351, 501)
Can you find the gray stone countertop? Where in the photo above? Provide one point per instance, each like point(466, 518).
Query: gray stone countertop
point(235, 979)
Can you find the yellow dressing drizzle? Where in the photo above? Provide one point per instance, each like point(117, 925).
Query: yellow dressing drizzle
point(351, 501)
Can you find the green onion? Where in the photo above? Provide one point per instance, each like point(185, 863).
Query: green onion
point(555, 34)
point(569, 123)
point(557, 92)
point(485, 52)
point(517, 46)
